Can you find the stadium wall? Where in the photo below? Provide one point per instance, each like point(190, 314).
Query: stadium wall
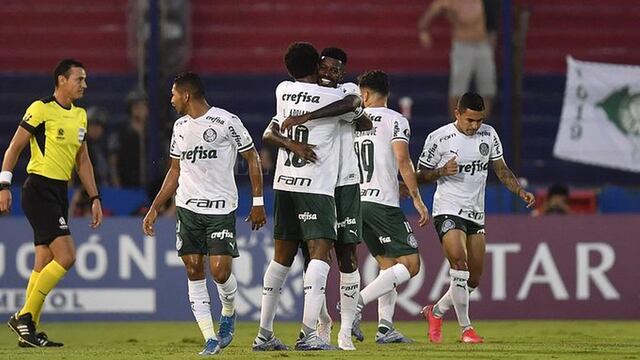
point(572, 267)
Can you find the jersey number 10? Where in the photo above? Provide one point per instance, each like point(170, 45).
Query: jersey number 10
point(301, 134)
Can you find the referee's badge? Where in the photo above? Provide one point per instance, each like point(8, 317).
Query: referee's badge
point(82, 132)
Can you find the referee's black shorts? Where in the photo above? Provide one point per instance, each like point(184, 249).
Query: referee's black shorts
point(46, 205)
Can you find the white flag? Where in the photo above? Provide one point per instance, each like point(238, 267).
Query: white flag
point(600, 121)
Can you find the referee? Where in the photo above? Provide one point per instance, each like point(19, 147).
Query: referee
point(56, 131)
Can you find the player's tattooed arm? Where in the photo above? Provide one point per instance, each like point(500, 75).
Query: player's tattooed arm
point(350, 103)
point(273, 136)
point(426, 175)
point(509, 180)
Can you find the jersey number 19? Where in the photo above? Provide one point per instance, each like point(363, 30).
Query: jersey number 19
point(364, 152)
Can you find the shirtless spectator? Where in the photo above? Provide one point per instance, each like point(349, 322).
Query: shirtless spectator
point(471, 52)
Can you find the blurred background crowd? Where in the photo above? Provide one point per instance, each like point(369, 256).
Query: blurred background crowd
point(132, 49)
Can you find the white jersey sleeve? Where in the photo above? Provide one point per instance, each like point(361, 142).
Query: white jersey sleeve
point(174, 150)
point(401, 129)
point(496, 147)
point(430, 156)
point(352, 89)
point(238, 134)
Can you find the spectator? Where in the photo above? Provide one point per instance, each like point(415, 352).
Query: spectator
point(471, 52)
point(557, 201)
point(96, 122)
point(127, 146)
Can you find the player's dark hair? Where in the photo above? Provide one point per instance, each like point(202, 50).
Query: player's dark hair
point(376, 80)
point(190, 82)
point(63, 68)
point(335, 53)
point(471, 101)
point(557, 189)
point(301, 59)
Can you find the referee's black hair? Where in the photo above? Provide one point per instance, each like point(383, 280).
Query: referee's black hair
point(471, 101)
point(63, 68)
point(301, 59)
point(191, 82)
point(376, 80)
point(335, 53)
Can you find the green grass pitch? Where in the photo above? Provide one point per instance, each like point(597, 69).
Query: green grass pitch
point(182, 340)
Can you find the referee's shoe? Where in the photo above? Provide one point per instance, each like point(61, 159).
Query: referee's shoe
point(25, 328)
point(43, 340)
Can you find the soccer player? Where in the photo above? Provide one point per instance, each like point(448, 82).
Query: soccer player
point(304, 184)
point(331, 71)
point(457, 156)
point(204, 147)
point(55, 129)
point(382, 152)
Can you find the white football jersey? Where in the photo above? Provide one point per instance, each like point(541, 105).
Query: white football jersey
point(461, 194)
point(207, 148)
point(378, 165)
point(348, 173)
point(292, 173)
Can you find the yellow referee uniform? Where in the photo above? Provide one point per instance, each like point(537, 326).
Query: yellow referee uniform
point(57, 133)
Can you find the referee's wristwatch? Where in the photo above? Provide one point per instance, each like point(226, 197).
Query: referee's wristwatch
point(5, 186)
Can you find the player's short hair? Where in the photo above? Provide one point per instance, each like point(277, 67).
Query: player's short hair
point(301, 59)
point(334, 53)
point(190, 82)
point(471, 101)
point(63, 68)
point(376, 80)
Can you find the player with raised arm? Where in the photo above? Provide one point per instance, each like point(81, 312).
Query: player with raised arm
point(331, 72)
point(457, 156)
point(304, 190)
point(382, 152)
point(204, 148)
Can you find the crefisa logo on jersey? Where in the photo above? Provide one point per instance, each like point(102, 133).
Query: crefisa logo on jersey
point(484, 149)
point(301, 97)
point(209, 135)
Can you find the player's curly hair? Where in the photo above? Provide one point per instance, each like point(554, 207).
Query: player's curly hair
point(301, 59)
point(376, 80)
point(334, 53)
